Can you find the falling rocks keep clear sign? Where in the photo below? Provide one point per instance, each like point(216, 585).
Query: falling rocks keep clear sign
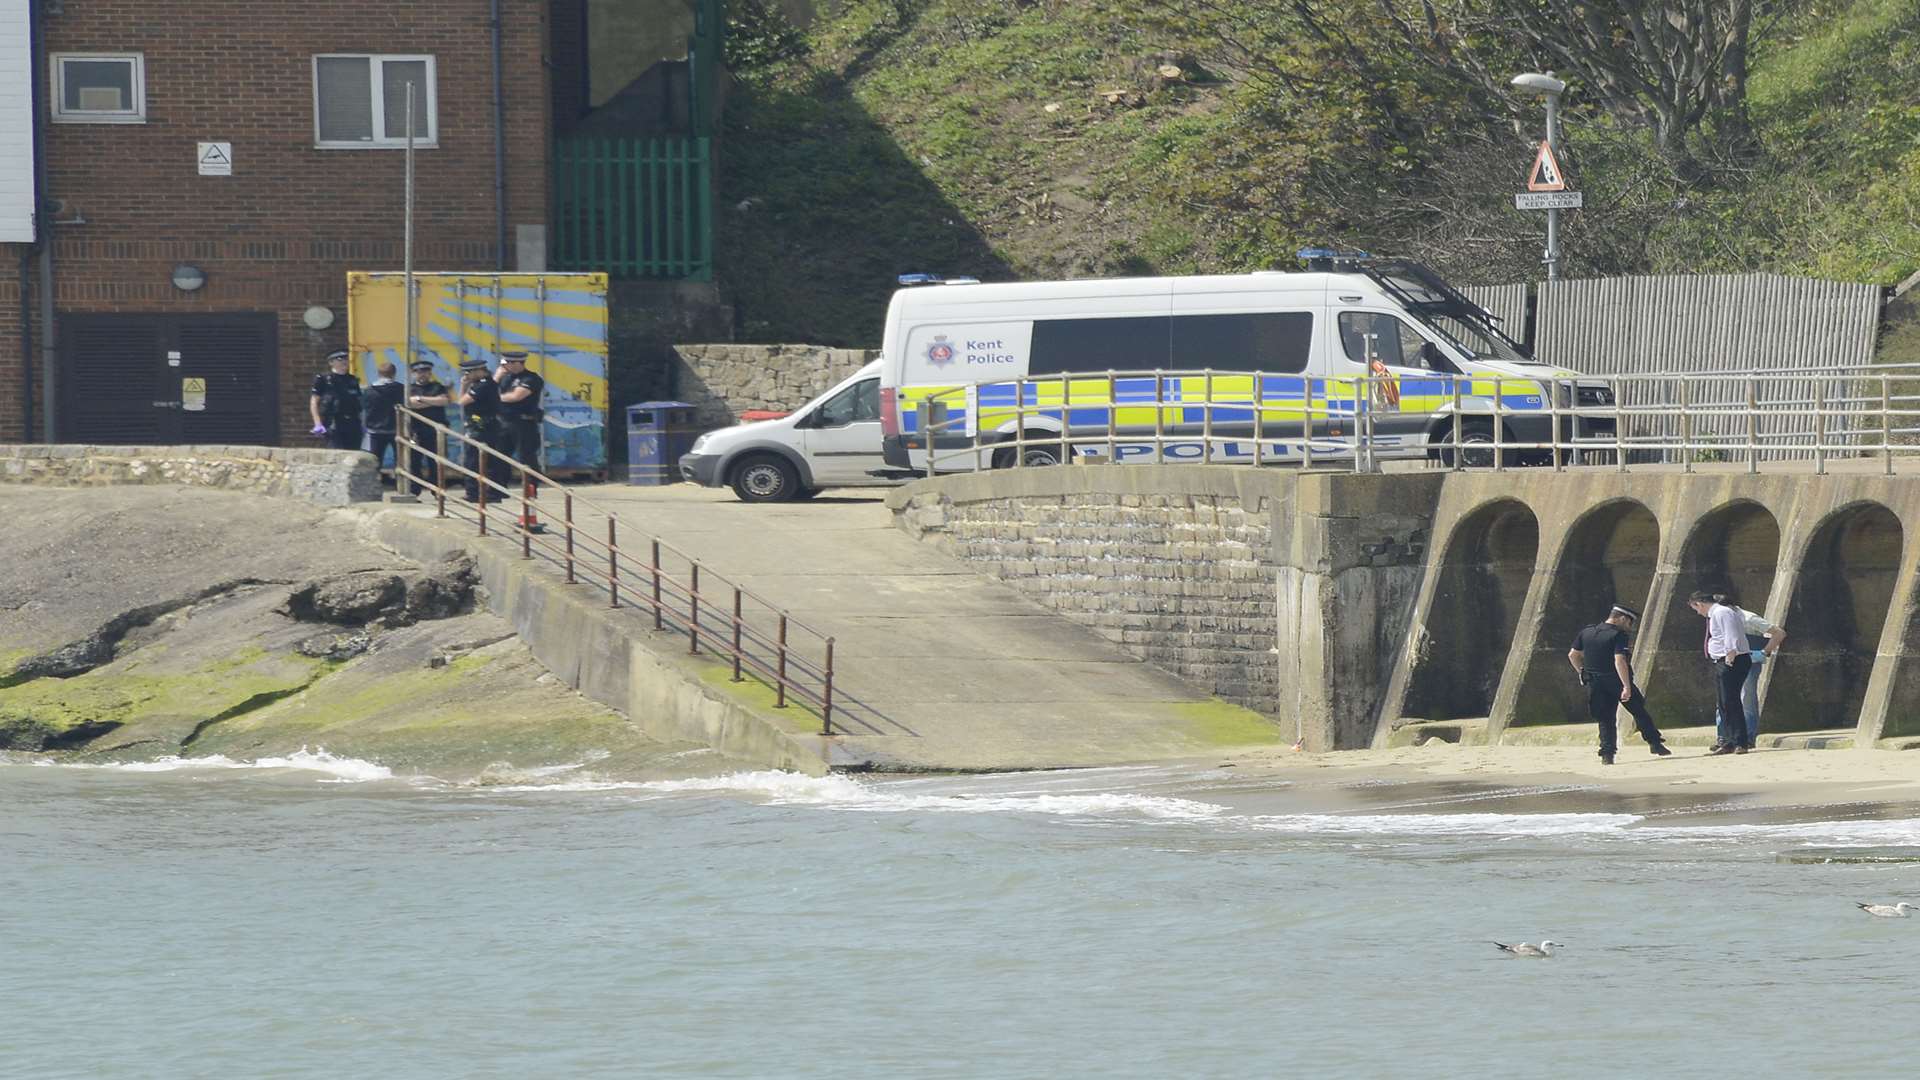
point(1548, 200)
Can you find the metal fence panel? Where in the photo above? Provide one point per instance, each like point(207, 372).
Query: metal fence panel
point(1716, 323)
point(1508, 303)
point(635, 208)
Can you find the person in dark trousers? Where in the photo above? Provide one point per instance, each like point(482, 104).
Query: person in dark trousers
point(1602, 655)
point(335, 403)
point(520, 392)
point(480, 411)
point(1732, 659)
point(381, 399)
point(427, 396)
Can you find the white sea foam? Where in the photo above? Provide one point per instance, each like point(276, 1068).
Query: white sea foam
point(1874, 833)
point(848, 793)
point(339, 770)
point(1448, 824)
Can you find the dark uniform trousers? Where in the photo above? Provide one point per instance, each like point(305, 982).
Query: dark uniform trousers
point(345, 434)
point(523, 442)
point(495, 436)
point(1603, 704)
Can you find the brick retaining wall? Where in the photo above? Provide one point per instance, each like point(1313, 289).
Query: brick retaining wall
point(325, 477)
point(1180, 580)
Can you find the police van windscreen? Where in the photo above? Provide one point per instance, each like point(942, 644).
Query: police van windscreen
point(1278, 342)
point(1472, 338)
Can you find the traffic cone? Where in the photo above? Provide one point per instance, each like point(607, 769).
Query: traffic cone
point(530, 518)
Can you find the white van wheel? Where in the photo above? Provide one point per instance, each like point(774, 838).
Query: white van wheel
point(765, 478)
point(1476, 446)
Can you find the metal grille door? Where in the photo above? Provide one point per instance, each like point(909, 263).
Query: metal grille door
point(169, 379)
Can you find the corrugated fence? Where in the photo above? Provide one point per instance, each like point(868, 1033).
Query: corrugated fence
point(1707, 324)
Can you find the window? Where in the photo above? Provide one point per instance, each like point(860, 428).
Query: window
point(1368, 336)
point(858, 402)
point(1274, 341)
point(361, 101)
point(1269, 341)
point(1126, 344)
point(99, 88)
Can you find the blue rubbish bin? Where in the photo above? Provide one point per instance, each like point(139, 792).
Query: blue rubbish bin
point(658, 433)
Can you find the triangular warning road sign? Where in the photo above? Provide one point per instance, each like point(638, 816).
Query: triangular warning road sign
point(1546, 175)
point(214, 155)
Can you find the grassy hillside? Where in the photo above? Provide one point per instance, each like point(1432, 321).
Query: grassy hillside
point(1036, 138)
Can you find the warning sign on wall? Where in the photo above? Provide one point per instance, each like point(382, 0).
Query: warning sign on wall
point(216, 159)
point(193, 395)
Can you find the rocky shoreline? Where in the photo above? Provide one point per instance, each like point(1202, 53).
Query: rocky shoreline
point(142, 623)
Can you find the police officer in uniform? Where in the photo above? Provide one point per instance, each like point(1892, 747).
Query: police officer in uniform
point(427, 396)
point(1602, 654)
point(335, 404)
point(480, 408)
point(520, 392)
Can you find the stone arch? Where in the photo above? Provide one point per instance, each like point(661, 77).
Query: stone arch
point(1609, 557)
point(1839, 607)
point(1734, 548)
point(1470, 622)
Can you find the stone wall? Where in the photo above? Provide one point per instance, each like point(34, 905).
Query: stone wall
point(1182, 580)
point(325, 477)
point(726, 380)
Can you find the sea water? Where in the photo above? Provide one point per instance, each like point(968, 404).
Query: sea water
point(311, 916)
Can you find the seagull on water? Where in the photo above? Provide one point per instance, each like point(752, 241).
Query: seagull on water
point(1535, 952)
point(1889, 911)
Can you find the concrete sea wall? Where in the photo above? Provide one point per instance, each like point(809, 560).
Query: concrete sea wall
point(322, 477)
point(1176, 565)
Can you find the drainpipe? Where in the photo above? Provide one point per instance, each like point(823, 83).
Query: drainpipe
point(43, 223)
point(499, 150)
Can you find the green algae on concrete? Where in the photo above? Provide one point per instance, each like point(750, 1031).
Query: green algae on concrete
point(799, 719)
point(1222, 723)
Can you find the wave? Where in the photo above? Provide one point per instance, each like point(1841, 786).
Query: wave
point(339, 770)
point(847, 793)
point(1449, 824)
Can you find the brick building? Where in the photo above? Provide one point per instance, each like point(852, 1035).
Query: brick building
point(211, 170)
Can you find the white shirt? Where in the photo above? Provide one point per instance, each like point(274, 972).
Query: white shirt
point(1756, 625)
point(1726, 631)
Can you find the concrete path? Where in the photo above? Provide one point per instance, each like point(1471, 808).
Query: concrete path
point(955, 670)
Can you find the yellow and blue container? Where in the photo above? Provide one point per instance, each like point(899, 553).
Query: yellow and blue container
point(559, 320)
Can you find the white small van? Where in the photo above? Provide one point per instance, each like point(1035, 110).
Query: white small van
point(1261, 368)
point(830, 442)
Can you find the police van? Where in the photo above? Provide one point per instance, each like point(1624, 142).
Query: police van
point(831, 441)
point(1267, 367)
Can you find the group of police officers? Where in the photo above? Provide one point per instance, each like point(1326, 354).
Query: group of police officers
point(500, 410)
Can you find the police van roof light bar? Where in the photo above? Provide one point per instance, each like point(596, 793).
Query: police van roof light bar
point(1326, 259)
point(936, 279)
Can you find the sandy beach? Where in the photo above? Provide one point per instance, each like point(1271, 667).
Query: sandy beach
point(1770, 785)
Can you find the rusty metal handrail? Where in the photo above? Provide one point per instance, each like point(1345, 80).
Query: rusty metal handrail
point(766, 653)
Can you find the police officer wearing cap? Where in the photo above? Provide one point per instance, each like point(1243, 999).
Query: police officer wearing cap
point(335, 404)
point(480, 410)
point(1602, 654)
point(427, 396)
point(520, 392)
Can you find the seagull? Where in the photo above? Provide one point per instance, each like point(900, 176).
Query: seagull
point(1535, 952)
point(1889, 911)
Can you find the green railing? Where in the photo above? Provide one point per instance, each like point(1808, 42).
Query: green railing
point(635, 208)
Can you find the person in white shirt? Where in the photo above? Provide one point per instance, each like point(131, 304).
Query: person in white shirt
point(1732, 662)
point(1763, 638)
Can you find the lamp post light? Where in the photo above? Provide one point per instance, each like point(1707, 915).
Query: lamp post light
point(1534, 82)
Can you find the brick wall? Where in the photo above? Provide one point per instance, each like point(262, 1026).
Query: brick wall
point(281, 232)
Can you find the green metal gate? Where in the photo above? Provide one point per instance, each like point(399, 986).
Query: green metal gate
point(635, 208)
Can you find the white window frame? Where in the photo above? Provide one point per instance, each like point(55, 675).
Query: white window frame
point(58, 100)
point(380, 141)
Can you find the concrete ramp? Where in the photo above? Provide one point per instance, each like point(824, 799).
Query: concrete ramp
point(936, 667)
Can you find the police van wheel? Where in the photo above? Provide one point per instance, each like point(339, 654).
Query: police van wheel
point(1476, 447)
point(1034, 455)
point(765, 478)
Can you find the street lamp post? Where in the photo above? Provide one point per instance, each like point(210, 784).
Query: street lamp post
point(1547, 86)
